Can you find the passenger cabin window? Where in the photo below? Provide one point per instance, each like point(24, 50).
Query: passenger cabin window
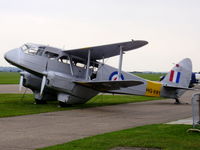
point(78, 62)
point(64, 60)
point(51, 55)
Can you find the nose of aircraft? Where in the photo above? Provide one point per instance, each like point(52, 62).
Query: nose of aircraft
point(12, 56)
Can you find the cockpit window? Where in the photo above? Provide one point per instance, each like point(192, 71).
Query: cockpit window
point(25, 47)
point(40, 50)
point(28, 49)
point(32, 49)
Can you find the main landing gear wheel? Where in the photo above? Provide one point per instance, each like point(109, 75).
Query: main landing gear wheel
point(37, 101)
point(62, 104)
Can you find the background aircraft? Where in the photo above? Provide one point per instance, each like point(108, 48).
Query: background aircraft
point(195, 78)
point(75, 76)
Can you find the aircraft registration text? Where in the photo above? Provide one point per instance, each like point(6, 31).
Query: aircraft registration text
point(153, 89)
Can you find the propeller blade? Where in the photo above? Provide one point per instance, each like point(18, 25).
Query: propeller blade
point(43, 84)
point(21, 82)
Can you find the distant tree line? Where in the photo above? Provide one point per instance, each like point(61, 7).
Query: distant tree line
point(9, 69)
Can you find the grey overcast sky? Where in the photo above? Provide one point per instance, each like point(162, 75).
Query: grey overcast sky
point(172, 28)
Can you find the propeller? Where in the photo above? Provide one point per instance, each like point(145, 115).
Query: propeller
point(44, 79)
point(21, 82)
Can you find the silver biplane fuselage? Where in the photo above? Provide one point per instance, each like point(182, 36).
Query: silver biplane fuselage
point(60, 70)
point(75, 76)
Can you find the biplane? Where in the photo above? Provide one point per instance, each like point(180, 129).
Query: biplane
point(75, 76)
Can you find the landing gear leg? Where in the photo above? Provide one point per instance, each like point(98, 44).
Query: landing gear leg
point(177, 101)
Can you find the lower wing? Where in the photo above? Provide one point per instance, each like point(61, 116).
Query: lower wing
point(104, 86)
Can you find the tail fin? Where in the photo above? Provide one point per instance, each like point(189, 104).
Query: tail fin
point(180, 75)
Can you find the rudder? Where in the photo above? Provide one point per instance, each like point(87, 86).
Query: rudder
point(180, 75)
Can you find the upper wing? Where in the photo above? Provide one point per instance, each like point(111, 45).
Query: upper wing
point(106, 51)
point(105, 86)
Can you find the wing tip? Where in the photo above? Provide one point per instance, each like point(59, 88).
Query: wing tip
point(140, 42)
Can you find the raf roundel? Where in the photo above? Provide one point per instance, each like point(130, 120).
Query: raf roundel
point(114, 76)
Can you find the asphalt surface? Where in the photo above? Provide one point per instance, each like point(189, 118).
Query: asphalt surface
point(41, 130)
point(13, 88)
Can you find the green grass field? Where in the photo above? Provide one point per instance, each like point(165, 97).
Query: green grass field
point(9, 77)
point(150, 76)
point(166, 137)
point(14, 105)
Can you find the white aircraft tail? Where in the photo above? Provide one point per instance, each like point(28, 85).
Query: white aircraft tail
point(180, 75)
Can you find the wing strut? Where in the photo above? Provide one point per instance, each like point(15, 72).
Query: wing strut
point(71, 69)
point(120, 63)
point(88, 65)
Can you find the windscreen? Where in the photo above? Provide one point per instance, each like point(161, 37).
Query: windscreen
point(32, 49)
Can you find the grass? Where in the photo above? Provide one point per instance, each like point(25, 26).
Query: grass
point(150, 76)
point(14, 105)
point(167, 137)
point(9, 77)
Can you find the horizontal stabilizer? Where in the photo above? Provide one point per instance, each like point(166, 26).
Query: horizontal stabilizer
point(182, 88)
point(104, 86)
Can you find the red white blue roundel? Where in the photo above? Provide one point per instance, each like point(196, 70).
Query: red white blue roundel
point(114, 76)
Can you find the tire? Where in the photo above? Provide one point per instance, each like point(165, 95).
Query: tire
point(37, 101)
point(62, 104)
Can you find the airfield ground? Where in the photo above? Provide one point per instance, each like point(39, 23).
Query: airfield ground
point(45, 129)
point(9, 77)
point(13, 88)
point(41, 130)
